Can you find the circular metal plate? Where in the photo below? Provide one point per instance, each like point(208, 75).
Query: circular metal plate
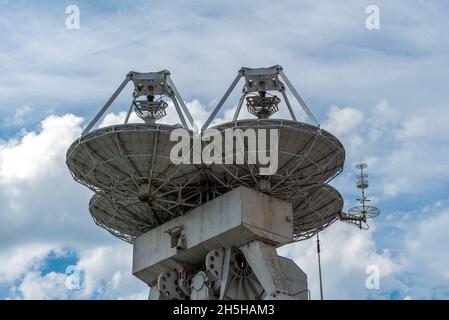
point(361, 166)
point(368, 211)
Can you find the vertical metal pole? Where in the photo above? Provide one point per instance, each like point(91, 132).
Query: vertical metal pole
point(319, 263)
point(363, 189)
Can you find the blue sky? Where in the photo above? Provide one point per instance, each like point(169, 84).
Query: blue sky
point(383, 93)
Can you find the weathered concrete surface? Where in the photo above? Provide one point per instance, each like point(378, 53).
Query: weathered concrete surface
point(232, 219)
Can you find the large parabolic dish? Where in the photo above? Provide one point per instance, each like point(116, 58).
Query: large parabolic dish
point(138, 187)
point(307, 158)
point(130, 220)
point(130, 167)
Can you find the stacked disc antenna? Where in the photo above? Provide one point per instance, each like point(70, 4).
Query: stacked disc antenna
point(358, 215)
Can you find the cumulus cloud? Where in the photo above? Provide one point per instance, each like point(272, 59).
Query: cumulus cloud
point(425, 250)
point(397, 146)
point(107, 273)
point(102, 272)
point(18, 260)
point(50, 286)
point(20, 116)
point(204, 48)
point(344, 123)
point(43, 212)
point(106, 268)
point(346, 254)
point(112, 118)
point(38, 154)
point(341, 121)
point(419, 270)
point(402, 138)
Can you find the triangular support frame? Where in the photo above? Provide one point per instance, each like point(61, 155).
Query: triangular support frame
point(268, 78)
point(156, 83)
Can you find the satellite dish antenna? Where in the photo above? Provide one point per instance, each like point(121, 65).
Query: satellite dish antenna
point(208, 231)
point(308, 156)
point(358, 215)
point(138, 188)
point(128, 165)
point(318, 252)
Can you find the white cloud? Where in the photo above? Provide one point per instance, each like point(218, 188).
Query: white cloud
point(396, 186)
point(403, 141)
point(39, 201)
point(345, 254)
point(402, 150)
point(37, 287)
point(19, 117)
point(107, 268)
point(426, 243)
point(204, 47)
point(412, 128)
point(107, 273)
point(342, 121)
point(37, 154)
point(17, 260)
point(118, 118)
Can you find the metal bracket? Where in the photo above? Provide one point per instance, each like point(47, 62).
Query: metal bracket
point(147, 84)
point(262, 79)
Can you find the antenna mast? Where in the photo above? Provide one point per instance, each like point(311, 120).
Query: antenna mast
point(319, 263)
point(358, 215)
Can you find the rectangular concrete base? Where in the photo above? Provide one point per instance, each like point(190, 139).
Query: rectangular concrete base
point(230, 220)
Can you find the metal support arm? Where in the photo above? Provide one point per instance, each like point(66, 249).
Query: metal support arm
point(222, 101)
point(289, 106)
point(129, 112)
point(178, 110)
point(106, 106)
point(181, 102)
point(298, 97)
point(239, 107)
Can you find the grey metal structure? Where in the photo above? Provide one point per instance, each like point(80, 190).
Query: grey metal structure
point(226, 248)
point(358, 215)
point(210, 231)
point(308, 158)
point(129, 167)
point(262, 80)
point(149, 85)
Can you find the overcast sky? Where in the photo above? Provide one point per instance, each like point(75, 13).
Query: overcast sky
point(383, 93)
